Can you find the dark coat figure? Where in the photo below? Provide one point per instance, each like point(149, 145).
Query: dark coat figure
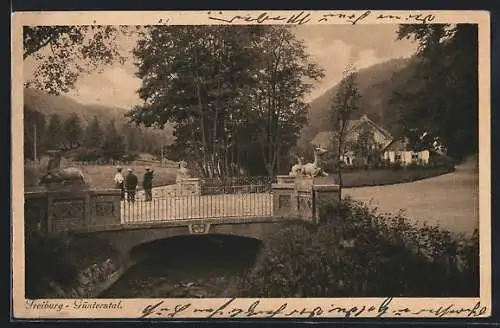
point(147, 184)
point(131, 185)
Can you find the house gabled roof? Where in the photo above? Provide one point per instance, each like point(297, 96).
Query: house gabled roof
point(397, 144)
point(324, 137)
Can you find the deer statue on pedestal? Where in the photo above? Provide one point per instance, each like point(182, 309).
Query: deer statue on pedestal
point(314, 169)
point(297, 168)
point(63, 176)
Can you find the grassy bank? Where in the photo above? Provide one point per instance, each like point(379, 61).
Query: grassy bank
point(362, 254)
point(380, 177)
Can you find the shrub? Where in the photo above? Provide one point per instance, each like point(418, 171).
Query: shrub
point(364, 255)
point(130, 157)
point(88, 154)
point(396, 165)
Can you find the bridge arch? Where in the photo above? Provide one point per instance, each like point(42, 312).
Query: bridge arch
point(188, 245)
point(125, 240)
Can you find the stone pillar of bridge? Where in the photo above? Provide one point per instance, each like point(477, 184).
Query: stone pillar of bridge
point(70, 209)
point(324, 195)
point(105, 208)
point(284, 197)
point(305, 198)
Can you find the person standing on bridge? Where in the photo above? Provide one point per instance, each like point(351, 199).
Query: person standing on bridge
point(147, 184)
point(131, 185)
point(119, 182)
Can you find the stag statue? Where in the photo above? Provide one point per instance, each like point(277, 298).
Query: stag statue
point(314, 169)
point(63, 176)
point(297, 169)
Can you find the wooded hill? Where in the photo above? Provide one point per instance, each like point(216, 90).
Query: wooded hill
point(40, 107)
point(376, 85)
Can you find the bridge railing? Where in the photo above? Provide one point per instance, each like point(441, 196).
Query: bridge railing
point(208, 198)
point(76, 210)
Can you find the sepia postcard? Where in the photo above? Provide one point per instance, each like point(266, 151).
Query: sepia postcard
point(251, 164)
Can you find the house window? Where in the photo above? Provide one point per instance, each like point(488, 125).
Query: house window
point(398, 157)
point(414, 156)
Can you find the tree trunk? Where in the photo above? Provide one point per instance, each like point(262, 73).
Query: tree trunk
point(339, 170)
point(202, 121)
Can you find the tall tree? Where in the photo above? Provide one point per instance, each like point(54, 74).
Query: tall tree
point(208, 81)
point(365, 145)
point(72, 129)
point(343, 106)
point(93, 134)
point(113, 145)
point(62, 53)
point(442, 97)
point(279, 108)
point(54, 132)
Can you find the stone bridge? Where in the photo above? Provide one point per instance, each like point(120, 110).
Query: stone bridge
point(99, 212)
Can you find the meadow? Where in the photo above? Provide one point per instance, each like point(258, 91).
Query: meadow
point(101, 176)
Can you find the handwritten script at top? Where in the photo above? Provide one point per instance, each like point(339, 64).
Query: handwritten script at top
point(228, 309)
point(303, 17)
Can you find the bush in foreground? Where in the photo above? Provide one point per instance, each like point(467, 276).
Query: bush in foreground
point(364, 255)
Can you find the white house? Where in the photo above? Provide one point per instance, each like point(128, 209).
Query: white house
point(390, 149)
point(397, 152)
point(380, 137)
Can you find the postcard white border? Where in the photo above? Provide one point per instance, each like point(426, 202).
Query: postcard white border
point(132, 308)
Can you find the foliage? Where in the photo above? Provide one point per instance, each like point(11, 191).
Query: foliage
point(113, 146)
point(389, 257)
point(93, 134)
point(235, 94)
point(55, 131)
point(88, 154)
point(63, 53)
point(442, 97)
point(73, 130)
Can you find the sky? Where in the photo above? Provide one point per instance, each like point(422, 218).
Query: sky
point(330, 46)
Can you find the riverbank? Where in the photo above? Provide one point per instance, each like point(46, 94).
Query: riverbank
point(70, 266)
point(187, 267)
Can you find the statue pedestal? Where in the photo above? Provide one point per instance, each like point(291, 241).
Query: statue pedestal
point(300, 197)
point(285, 179)
point(284, 198)
point(324, 195)
point(188, 186)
